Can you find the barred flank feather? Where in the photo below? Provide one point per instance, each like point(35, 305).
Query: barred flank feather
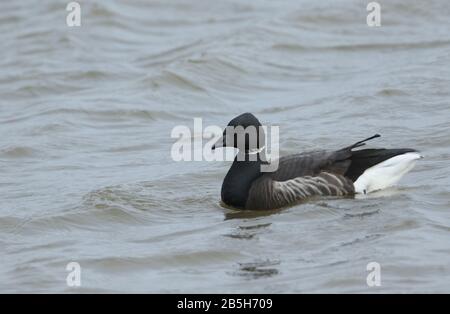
point(283, 193)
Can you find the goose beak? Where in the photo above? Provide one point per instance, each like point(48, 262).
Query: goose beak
point(219, 143)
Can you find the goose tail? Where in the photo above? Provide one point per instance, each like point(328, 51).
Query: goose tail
point(387, 172)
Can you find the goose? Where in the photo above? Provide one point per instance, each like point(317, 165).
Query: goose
point(299, 177)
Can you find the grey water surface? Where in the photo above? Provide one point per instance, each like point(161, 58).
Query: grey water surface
point(86, 173)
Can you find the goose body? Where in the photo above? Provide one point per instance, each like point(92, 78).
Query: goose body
point(301, 176)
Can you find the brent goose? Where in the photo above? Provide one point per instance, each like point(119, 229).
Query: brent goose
point(298, 177)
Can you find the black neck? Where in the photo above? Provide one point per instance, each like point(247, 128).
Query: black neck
point(245, 169)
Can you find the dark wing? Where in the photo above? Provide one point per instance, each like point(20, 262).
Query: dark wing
point(320, 173)
point(311, 164)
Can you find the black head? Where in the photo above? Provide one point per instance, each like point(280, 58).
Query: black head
point(244, 132)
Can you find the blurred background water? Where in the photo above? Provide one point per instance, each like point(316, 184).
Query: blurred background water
point(85, 120)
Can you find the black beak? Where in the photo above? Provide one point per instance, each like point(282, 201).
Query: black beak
point(219, 143)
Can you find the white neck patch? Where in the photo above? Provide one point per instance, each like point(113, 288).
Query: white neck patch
point(256, 151)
